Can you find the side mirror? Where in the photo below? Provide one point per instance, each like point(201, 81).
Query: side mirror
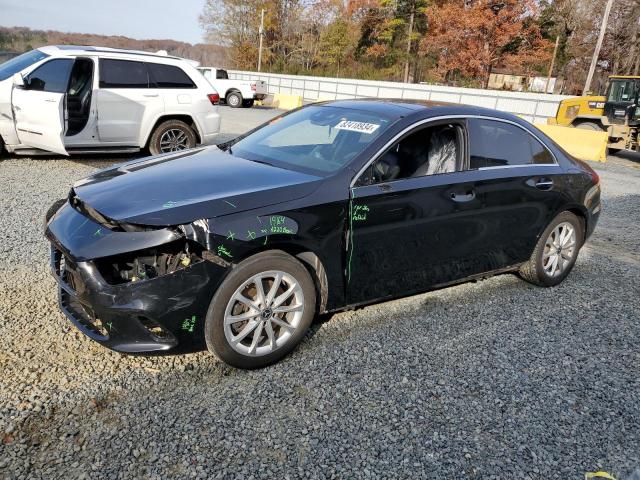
point(18, 80)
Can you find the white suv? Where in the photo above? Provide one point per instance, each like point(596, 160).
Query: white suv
point(68, 99)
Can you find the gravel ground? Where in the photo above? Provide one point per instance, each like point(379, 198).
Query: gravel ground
point(494, 379)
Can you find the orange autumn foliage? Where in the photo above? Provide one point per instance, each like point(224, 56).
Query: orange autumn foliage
point(470, 38)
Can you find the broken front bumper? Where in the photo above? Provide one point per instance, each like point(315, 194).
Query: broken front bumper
point(149, 316)
point(155, 315)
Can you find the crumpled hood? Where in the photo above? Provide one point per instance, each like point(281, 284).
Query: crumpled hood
point(178, 189)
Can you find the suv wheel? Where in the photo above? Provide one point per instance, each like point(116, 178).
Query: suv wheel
point(261, 311)
point(234, 99)
point(556, 251)
point(247, 103)
point(171, 136)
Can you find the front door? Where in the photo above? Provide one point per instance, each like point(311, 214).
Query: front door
point(39, 106)
point(411, 234)
point(413, 220)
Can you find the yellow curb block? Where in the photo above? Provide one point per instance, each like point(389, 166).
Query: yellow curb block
point(285, 101)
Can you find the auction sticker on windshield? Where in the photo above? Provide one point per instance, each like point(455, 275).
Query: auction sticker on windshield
point(361, 127)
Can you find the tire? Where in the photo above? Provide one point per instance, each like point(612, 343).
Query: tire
point(539, 269)
point(234, 99)
point(255, 322)
point(247, 103)
point(53, 209)
point(184, 137)
point(589, 126)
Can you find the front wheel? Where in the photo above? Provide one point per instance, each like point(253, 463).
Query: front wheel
point(556, 251)
point(171, 136)
point(261, 311)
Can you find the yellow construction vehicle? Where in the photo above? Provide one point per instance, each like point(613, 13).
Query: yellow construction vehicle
point(617, 113)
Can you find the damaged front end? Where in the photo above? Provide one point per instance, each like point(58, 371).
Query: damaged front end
point(132, 288)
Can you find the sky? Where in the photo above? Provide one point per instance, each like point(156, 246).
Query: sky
point(140, 19)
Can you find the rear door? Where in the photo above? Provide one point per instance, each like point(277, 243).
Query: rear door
point(39, 106)
point(125, 101)
point(176, 87)
point(518, 182)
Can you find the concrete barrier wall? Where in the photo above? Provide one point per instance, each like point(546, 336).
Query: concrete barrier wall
point(535, 107)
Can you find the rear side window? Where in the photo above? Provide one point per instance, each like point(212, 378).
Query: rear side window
point(123, 74)
point(499, 144)
point(169, 76)
point(52, 76)
point(222, 75)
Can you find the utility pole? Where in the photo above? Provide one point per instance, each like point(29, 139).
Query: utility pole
point(553, 62)
point(406, 63)
point(596, 53)
point(261, 34)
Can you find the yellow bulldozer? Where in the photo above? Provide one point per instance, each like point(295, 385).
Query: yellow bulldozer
point(617, 113)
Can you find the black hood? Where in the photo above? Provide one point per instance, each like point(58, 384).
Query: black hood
point(178, 189)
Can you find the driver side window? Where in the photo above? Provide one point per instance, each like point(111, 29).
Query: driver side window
point(431, 150)
point(52, 76)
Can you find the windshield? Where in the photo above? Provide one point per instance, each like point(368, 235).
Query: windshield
point(19, 63)
point(622, 91)
point(317, 139)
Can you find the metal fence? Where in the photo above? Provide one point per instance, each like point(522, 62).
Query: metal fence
point(535, 107)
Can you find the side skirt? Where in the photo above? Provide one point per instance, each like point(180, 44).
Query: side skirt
point(439, 286)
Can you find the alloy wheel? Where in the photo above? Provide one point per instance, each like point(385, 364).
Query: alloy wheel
point(263, 313)
point(173, 140)
point(559, 249)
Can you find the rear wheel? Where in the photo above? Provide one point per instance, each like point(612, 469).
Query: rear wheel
point(556, 251)
point(234, 99)
point(172, 136)
point(261, 312)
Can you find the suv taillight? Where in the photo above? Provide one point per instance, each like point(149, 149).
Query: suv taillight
point(253, 87)
point(214, 98)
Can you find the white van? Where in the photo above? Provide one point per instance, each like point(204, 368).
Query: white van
point(69, 99)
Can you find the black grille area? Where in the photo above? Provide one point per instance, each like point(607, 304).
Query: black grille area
point(83, 315)
point(70, 284)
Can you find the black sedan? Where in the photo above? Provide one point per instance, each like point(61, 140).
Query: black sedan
point(236, 248)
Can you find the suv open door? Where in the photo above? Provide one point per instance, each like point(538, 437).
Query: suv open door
point(39, 106)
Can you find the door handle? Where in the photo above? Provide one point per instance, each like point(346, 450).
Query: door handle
point(149, 94)
point(544, 184)
point(463, 197)
point(50, 100)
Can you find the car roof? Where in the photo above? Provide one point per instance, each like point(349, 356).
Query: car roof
point(397, 108)
point(75, 50)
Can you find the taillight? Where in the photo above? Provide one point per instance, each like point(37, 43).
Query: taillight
point(253, 87)
point(595, 177)
point(214, 98)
